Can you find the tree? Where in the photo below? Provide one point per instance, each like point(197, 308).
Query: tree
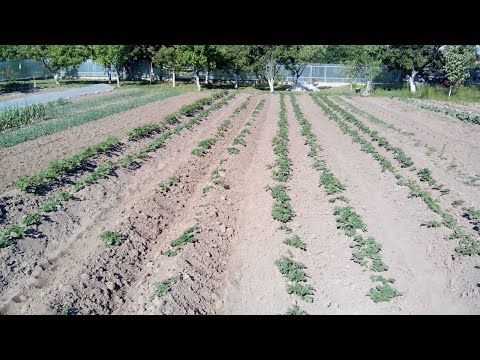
point(412, 58)
point(169, 57)
point(299, 56)
point(265, 61)
point(235, 60)
point(55, 57)
point(194, 56)
point(457, 59)
point(147, 52)
point(214, 58)
point(113, 56)
point(364, 60)
point(334, 54)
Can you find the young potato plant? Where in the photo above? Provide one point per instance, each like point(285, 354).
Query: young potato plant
point(166, 186)
point(177, 245)
point(163, 287)
point(111, 238)
point(383, 292)
point(296, 277)
point(296, 242)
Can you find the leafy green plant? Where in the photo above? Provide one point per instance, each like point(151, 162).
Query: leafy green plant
point(188, 236)
point(295, 241)
point(291, 269)
point(383, 292)
point(456, 203)
point(331, 184)
point(203, 147)
point(163, 287)
point(233, 150)
point(282, 210)
point(304, 291)
point(348, 220)
point(166, 186)
point(295, 310)
point(432, 224)
point(111, 238)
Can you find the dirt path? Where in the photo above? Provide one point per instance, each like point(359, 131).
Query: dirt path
point(254, 285)
point(457, 139)
point(69, 264)
point(418, 258)
point(31, 156)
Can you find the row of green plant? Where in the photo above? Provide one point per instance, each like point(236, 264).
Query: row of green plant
point(373, 119)
point(60, 167)
point(400, 155)
point(186, 110)
point(365, 252)
point(464, 177)
point(204, 145)
point(467, 244)
point(282, 211)
point(240, 139)
point(177, 245)
point(18, 231)
point(464, 116)
point(404, 161)
point(14, 117)
point(68, 120)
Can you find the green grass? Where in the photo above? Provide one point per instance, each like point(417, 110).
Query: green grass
point(111, 238)
point(66, 120)
point(460, 94)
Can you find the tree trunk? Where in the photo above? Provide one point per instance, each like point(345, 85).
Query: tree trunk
point(151, 72)
point(197, 80)
point(411, 80)
point(270, 84)
point(351, 86)
point(109, 74)
point(34, 83)
point(173, 78)
point(118, 78)
point(369, 87)
point(55, 77)
point(206, 77)
point(236, 80)
point(450, 91)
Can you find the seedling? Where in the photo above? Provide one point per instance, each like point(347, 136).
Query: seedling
point(383, 292)
point(295, 241)
point(111, 238)
point(163, 287)
point(295, 310)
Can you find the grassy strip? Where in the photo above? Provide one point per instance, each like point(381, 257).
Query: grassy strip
point(11, 138)
point(18, 231)
point(365, 252)
point(467, 244)
point(60, 167)
point(177, 245)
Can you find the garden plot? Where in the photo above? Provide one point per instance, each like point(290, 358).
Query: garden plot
point(241, 203)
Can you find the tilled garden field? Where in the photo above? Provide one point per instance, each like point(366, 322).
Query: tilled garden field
point(238, 203)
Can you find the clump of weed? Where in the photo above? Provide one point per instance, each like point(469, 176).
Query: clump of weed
point(188, 236)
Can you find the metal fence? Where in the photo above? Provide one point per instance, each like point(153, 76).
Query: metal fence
point(313, 73)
